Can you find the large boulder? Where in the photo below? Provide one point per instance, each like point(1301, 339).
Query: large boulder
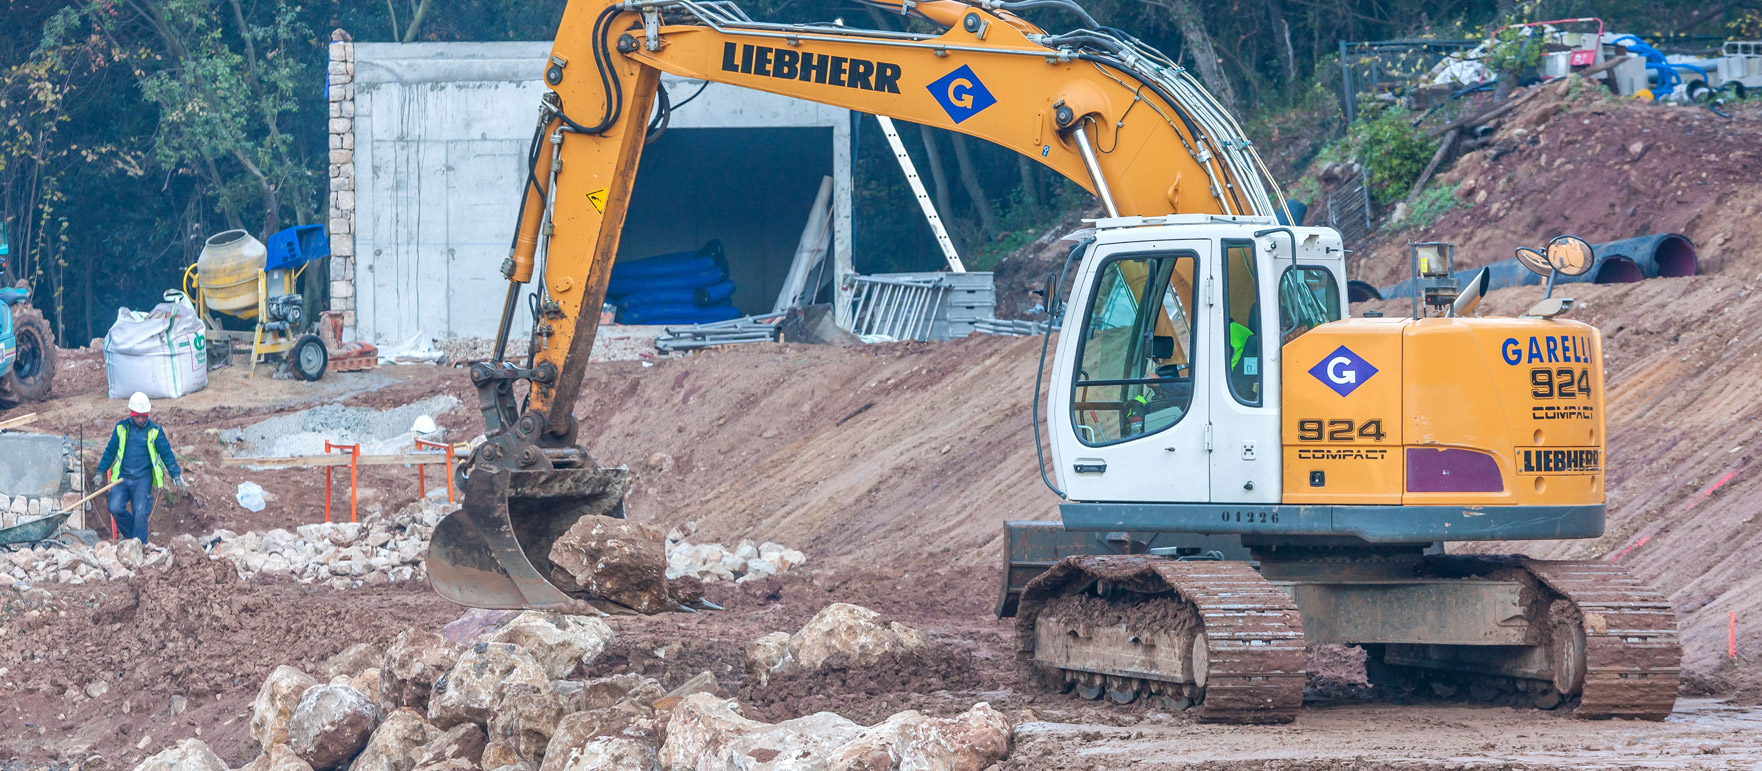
point(410, 666)
point(470, 691)
point(620, 560)
point(275, 703)
point(879, 747)
point(330, 725)
point(187, 755)
point(561, 643)
point(700, 729)
point(970, 741)
point(461, 742)
point(352, 661)
point(850, 631)
point(525, 718)
point(393, 744)
point(802, 743)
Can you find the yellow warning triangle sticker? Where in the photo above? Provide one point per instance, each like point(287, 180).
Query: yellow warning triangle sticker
point(598, 199)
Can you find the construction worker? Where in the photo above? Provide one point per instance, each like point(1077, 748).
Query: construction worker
point(137, 460)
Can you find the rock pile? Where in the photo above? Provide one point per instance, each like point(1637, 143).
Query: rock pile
point(109, 560)
point(510, 701)
point(611, 558)
point(342, 554)
point(18, 510)
point(714, 562)
point(852, 634)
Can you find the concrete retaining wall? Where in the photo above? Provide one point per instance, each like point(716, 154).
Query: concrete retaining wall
point(438, 133)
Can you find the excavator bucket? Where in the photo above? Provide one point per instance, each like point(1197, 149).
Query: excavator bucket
point(494, 552)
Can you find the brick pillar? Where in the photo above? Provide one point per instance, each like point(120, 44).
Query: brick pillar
point(341, 89)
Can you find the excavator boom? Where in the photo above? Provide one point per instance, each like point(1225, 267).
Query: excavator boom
point(1113, 115)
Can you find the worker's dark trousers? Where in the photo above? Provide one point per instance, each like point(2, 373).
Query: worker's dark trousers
point(135, 493)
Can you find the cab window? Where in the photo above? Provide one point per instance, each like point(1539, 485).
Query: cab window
point(1242, 322)
point(1135, 368)
point(1308, 298)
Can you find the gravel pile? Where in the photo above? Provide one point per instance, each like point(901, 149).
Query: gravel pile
point(711, 562)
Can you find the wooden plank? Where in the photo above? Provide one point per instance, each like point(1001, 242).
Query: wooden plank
point(337, 459)
point(22, 420)
point(94, 494)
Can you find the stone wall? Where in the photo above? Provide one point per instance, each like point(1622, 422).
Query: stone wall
point(341, 223)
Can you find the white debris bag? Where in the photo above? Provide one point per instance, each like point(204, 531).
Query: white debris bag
point(162, 353)
point(250, 496)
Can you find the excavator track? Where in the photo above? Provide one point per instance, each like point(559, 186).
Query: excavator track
point(1233, 643)
point(1633, 658)
point(1611, 643)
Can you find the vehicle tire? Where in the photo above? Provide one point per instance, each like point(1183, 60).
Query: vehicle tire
point(33, 372)
point(308, 358)
point(1699, 92)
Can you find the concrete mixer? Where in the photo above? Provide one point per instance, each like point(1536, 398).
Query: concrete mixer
point(236, 275)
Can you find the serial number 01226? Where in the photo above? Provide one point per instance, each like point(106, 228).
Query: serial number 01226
point(1251, 517)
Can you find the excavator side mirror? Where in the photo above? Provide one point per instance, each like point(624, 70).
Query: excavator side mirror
point(1162, 347)
point(1570, 255)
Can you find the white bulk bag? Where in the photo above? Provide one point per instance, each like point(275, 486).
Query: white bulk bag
point(162, 353)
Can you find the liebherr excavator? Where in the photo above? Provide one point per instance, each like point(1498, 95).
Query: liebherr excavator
point(1244, 469)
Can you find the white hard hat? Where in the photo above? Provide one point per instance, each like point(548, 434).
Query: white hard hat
point(139, 404)
point(424, 425)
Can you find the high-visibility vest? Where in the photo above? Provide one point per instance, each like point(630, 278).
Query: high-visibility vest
point(152, 454)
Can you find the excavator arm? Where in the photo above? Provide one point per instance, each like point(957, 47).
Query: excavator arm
point(1094, 105)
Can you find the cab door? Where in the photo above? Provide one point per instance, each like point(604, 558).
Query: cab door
point(1127, 410)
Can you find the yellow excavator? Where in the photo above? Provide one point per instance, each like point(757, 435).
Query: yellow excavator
point(1244, 470)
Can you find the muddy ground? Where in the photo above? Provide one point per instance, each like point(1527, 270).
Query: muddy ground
point(893, 467)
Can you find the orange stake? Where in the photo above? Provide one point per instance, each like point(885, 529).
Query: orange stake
point(354, 451)
point(447, 466)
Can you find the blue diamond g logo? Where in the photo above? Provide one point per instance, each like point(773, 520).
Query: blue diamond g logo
point(1342, 371)
point(961, 94)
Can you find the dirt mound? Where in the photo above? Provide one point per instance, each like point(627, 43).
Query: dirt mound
point(111, 656)
point(1600, 168)
point(867, 694)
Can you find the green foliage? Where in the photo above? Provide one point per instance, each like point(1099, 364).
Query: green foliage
point(1514, 52)
point(1392, 150)
point(1429, 205)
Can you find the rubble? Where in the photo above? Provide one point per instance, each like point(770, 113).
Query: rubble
point(187, 755)
point(524, 719)
point(19, 510)
point(340, 554)
point(275, 704)
point(107, 561)
point(495, 707)
point(330, 725)
point(469, 691)
point(708, 732)
point(560, 643)
point(847, 632)
point(714, 562)
point(392, 747)
point(410, 667)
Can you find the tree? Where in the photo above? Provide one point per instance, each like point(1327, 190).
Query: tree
point(223, 85)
